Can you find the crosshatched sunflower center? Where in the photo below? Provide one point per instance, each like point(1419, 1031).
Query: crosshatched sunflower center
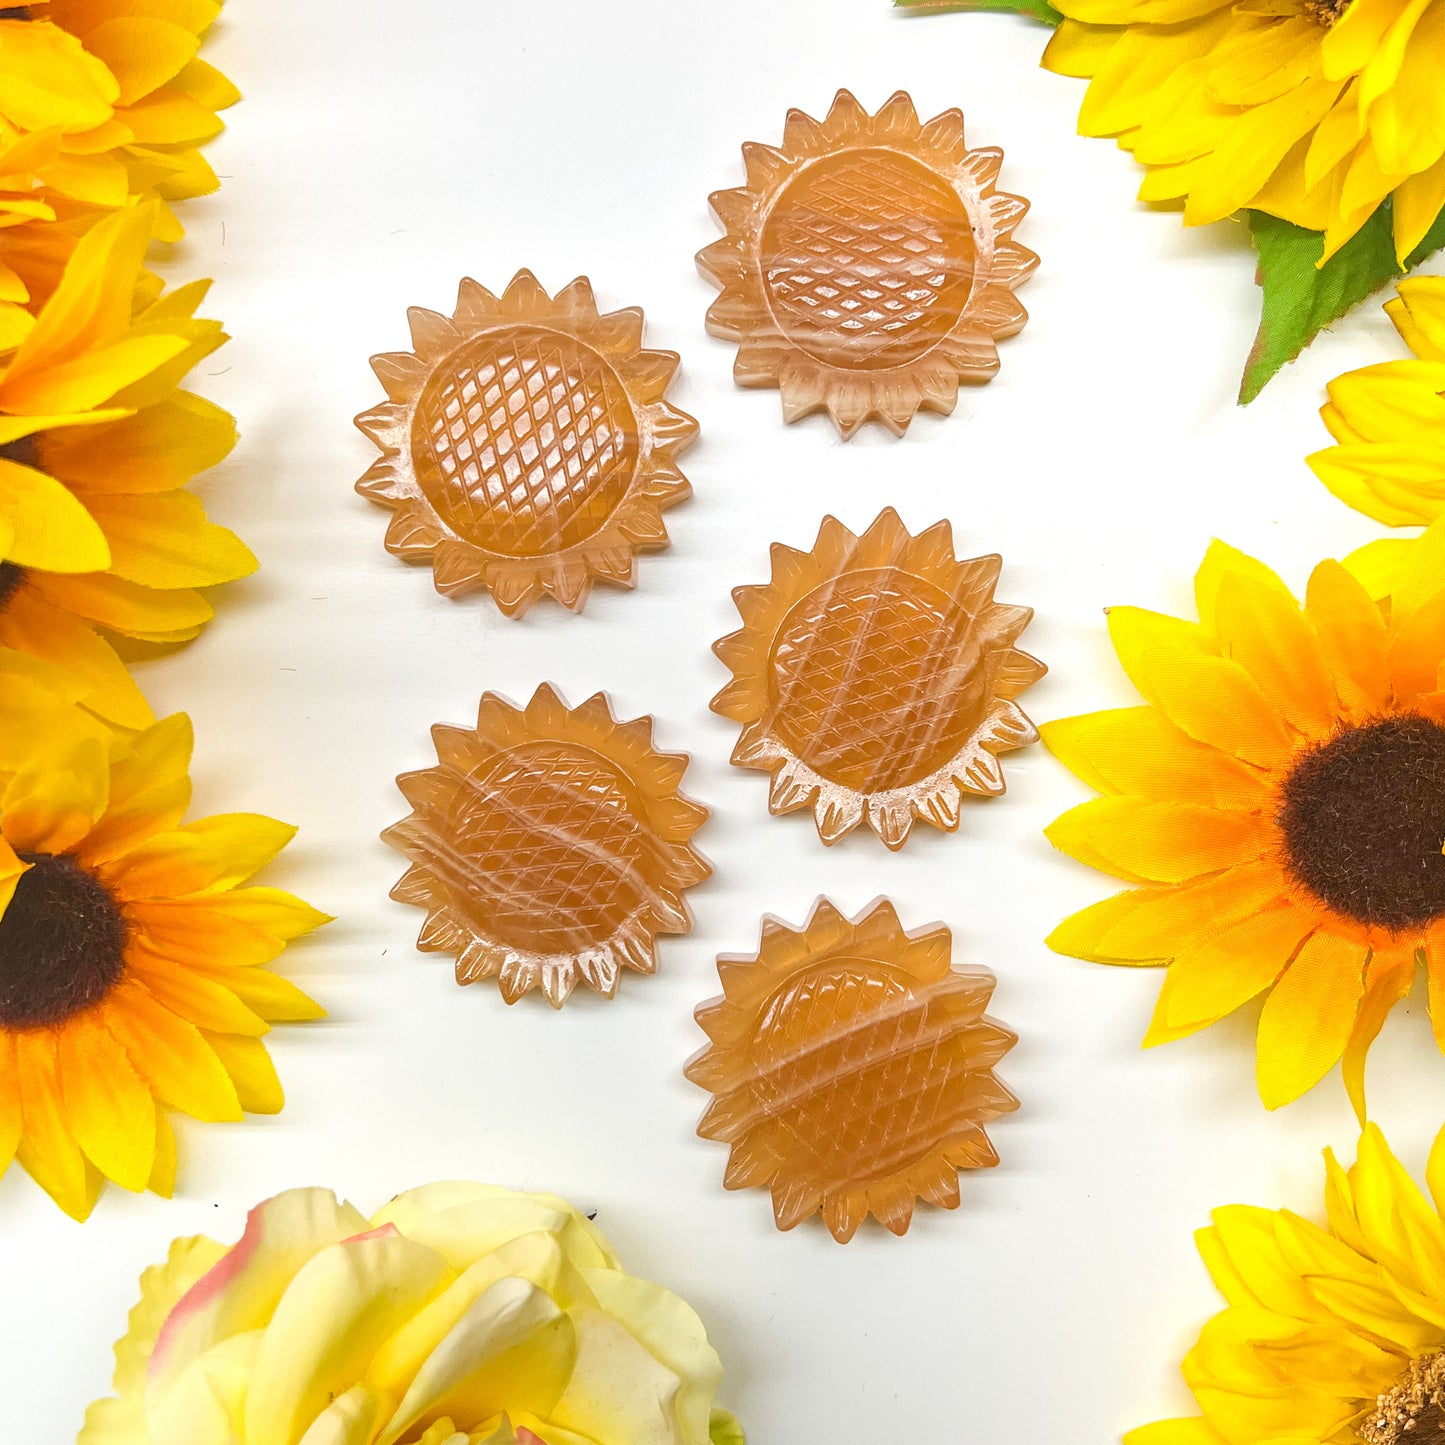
point(554, 854)
point(62, 944)
point(868, 259)
point(841, 1051)
point(876, 680)
point(1363, 819)
point(524, 441)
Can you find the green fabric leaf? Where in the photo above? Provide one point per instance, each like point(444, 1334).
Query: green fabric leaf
point(724, 1429)
point(1301, 297)
point(1034, 9)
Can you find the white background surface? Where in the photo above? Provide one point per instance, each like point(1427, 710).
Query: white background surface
point(383, 151)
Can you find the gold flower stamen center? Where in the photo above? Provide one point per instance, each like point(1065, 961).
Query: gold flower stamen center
point(1325, 12)
point(1413, 1412)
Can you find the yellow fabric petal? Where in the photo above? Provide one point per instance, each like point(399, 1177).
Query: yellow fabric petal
point(273, 998)
point(1264, 631)
point(1229, 969)
point(164, 540)
point(91, 305)
point(48, 1151)
point(16, 323)
point(1418, 311)
point(268, 910)
point(251, 1071)
point(156, 449)
point(11, 872)
point(126, 607)
point(1220, 559)
point(1248, 1264)
point(48, 79)
point(362, 1291)
point(170, 1054)
point(1189, 1431)
point(52, 801)
point(1399, 484)
point(1417, 201)
point(142, 52)
point(1432, 956)
point(32, 623)
point(1077, 49)
point(1167, 922)
point(1352, 636)
point(196, 936)
point(1215, 701)
point(92, 378)
point(46, 525)
point(1137, 632)
point(1388, 979)
point(1139, 751)
point(1309, 1016)
point(10, 1116)
point(1417, 650)
point(210, 854)
point(1161, 842)
point(197, 995)
point(107, 1107)
point(149, 790)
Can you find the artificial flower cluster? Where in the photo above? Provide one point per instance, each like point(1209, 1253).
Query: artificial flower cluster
point(1321, 122)
point(133, 968)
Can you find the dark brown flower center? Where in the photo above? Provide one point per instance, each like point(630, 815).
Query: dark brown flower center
point(25, 450)
point(62, 944)
point(1363, 819)
point(1413, 1412)
point(11, 576)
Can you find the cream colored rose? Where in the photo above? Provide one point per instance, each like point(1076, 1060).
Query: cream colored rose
point(461, 1314)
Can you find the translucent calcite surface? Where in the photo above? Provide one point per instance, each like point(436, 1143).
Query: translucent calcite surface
point(526, 446)
point(869, 265)
point(852, 1069)
point(549, 846)
point(874, 678)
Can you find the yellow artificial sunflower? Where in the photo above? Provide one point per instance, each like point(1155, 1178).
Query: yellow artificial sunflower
point(132, 973)
point(1278, 805)
point(1315, 111)
point(1334, 1334)
point(102, 102)
point(1389, 419)
point(96, 444)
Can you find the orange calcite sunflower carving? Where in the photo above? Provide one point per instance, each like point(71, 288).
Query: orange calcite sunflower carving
point(869, 265)
point(874, 677)
point(852, 1068)
point(526, 447)
point(549, 846)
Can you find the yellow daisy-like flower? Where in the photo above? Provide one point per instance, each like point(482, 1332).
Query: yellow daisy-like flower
point(1279, 804)
point(1311, 110)
point(1389, 419)
point(96, 444)
point(1332, 1335)
point(101, 102)
point(132, 972)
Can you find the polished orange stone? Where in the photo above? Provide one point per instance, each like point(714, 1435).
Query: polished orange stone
point(852, 1069)
point(874, 678)
point(868, 266)
point(526, 446)
point(549, 846)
